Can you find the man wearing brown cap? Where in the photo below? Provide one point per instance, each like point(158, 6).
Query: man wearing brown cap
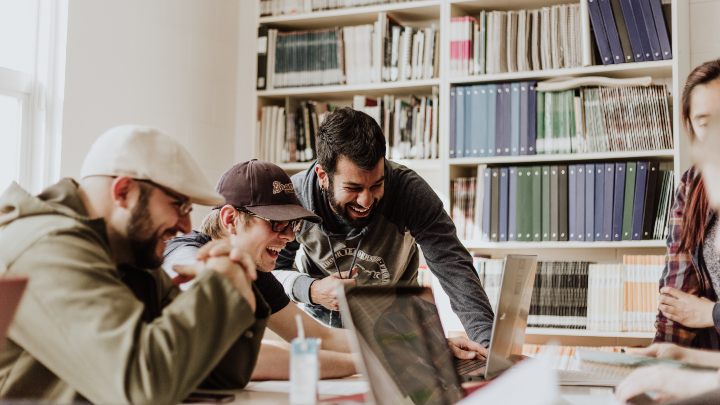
point(98, 321)
point(261, 206)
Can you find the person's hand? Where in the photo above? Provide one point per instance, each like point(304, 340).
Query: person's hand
point(464, 348)
point(661, 351)
point(324, 291)
point(229, 261)
point(666, 383)
point(686, 309)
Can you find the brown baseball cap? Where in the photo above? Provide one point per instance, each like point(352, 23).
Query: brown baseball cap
point(264, 189)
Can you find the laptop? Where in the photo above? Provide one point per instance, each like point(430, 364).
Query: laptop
point(11, 290)
point(402, 346)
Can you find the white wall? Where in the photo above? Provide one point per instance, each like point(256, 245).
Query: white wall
point(167, 63)
point(704, 31)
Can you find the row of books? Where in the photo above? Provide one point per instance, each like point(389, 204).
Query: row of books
point(289, 136)
point(582, 295)
point(290, 7)
point(410, 124)
point(630, 30)
point(563, 357)
point(516, 41)
point(514, 119)
point(610, 201)
point(384, 51)
point(624, 297)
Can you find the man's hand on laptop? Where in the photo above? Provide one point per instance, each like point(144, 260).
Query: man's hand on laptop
point(324, 291)
point(464, 348)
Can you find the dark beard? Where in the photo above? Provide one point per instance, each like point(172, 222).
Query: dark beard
point(343, 213)
point(142, 248)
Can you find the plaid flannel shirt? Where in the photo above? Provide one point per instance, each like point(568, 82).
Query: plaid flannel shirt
point(685, 272)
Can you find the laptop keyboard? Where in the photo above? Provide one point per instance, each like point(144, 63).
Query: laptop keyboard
point(467, 366)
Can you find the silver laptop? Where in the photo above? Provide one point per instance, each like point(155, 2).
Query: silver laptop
point(11, 290)
point(402, 346)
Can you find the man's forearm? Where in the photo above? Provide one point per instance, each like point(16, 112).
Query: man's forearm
point(295, 284)
point(274, 363)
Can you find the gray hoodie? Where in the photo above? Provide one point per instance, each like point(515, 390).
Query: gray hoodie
point(409, 214)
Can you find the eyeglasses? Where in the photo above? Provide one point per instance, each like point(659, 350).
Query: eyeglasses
point(278, 226)
point(183, 206)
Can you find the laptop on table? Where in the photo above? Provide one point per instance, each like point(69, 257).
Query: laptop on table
point(403, 349)
point(11, 290)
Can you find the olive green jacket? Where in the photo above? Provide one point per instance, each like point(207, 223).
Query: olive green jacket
point(80, 332)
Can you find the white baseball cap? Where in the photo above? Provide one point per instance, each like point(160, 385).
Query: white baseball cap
point(146, 153)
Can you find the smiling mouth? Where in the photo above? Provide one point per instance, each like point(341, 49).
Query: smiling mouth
point(361, 212)
point(273, 251)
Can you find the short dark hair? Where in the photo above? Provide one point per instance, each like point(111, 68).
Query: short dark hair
point(353, 134)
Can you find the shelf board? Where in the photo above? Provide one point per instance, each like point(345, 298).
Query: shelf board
point(415, 164)
point(474, 161)
point(590, 333)
point(626, 244)
point(661, 68)
point(349, 90)
point(406, 11)
point(294, 166)
point(474, 6)
point(419, 164)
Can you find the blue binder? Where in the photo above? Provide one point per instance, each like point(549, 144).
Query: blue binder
point(608, 201)
point(460, 122)
point(481, 111)
point(650, 29)
point(611, 31)
point(601, 39)
point(589, 202)
point(515, 119)
point(661, 28)
point(632, 28)
point(491, 130)
point(524, 105)
point(572, 203)
point(599, 201)
point(469, 121)
point(531, 118)
point(618, 201)
point(580, 206)
point(453, 122)
point(486, 207)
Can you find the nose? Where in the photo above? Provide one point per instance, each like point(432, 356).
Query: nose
point(185, 224)
point(287, 235)
point(364, 198)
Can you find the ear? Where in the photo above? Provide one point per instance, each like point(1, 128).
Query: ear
point(122, 189)
point(323, 176)
point(228, 218)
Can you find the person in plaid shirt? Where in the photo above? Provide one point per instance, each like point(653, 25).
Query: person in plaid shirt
point(689, 314)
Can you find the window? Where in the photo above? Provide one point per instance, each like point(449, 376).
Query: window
point(32, 70)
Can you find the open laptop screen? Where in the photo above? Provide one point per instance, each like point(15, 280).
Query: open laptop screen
point(401, 337)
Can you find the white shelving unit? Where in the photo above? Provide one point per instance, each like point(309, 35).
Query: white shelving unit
point(439, 172)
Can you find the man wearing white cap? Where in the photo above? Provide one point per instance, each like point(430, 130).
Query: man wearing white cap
point(98, 321)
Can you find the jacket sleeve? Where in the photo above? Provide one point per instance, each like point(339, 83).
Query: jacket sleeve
point(85, 326)
point(679, 271)
point(446, 257)
point(295, 283)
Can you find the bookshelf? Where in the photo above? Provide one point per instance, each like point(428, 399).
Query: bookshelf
point(440, 172)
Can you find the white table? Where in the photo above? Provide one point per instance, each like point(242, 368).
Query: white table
point(276, 392)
